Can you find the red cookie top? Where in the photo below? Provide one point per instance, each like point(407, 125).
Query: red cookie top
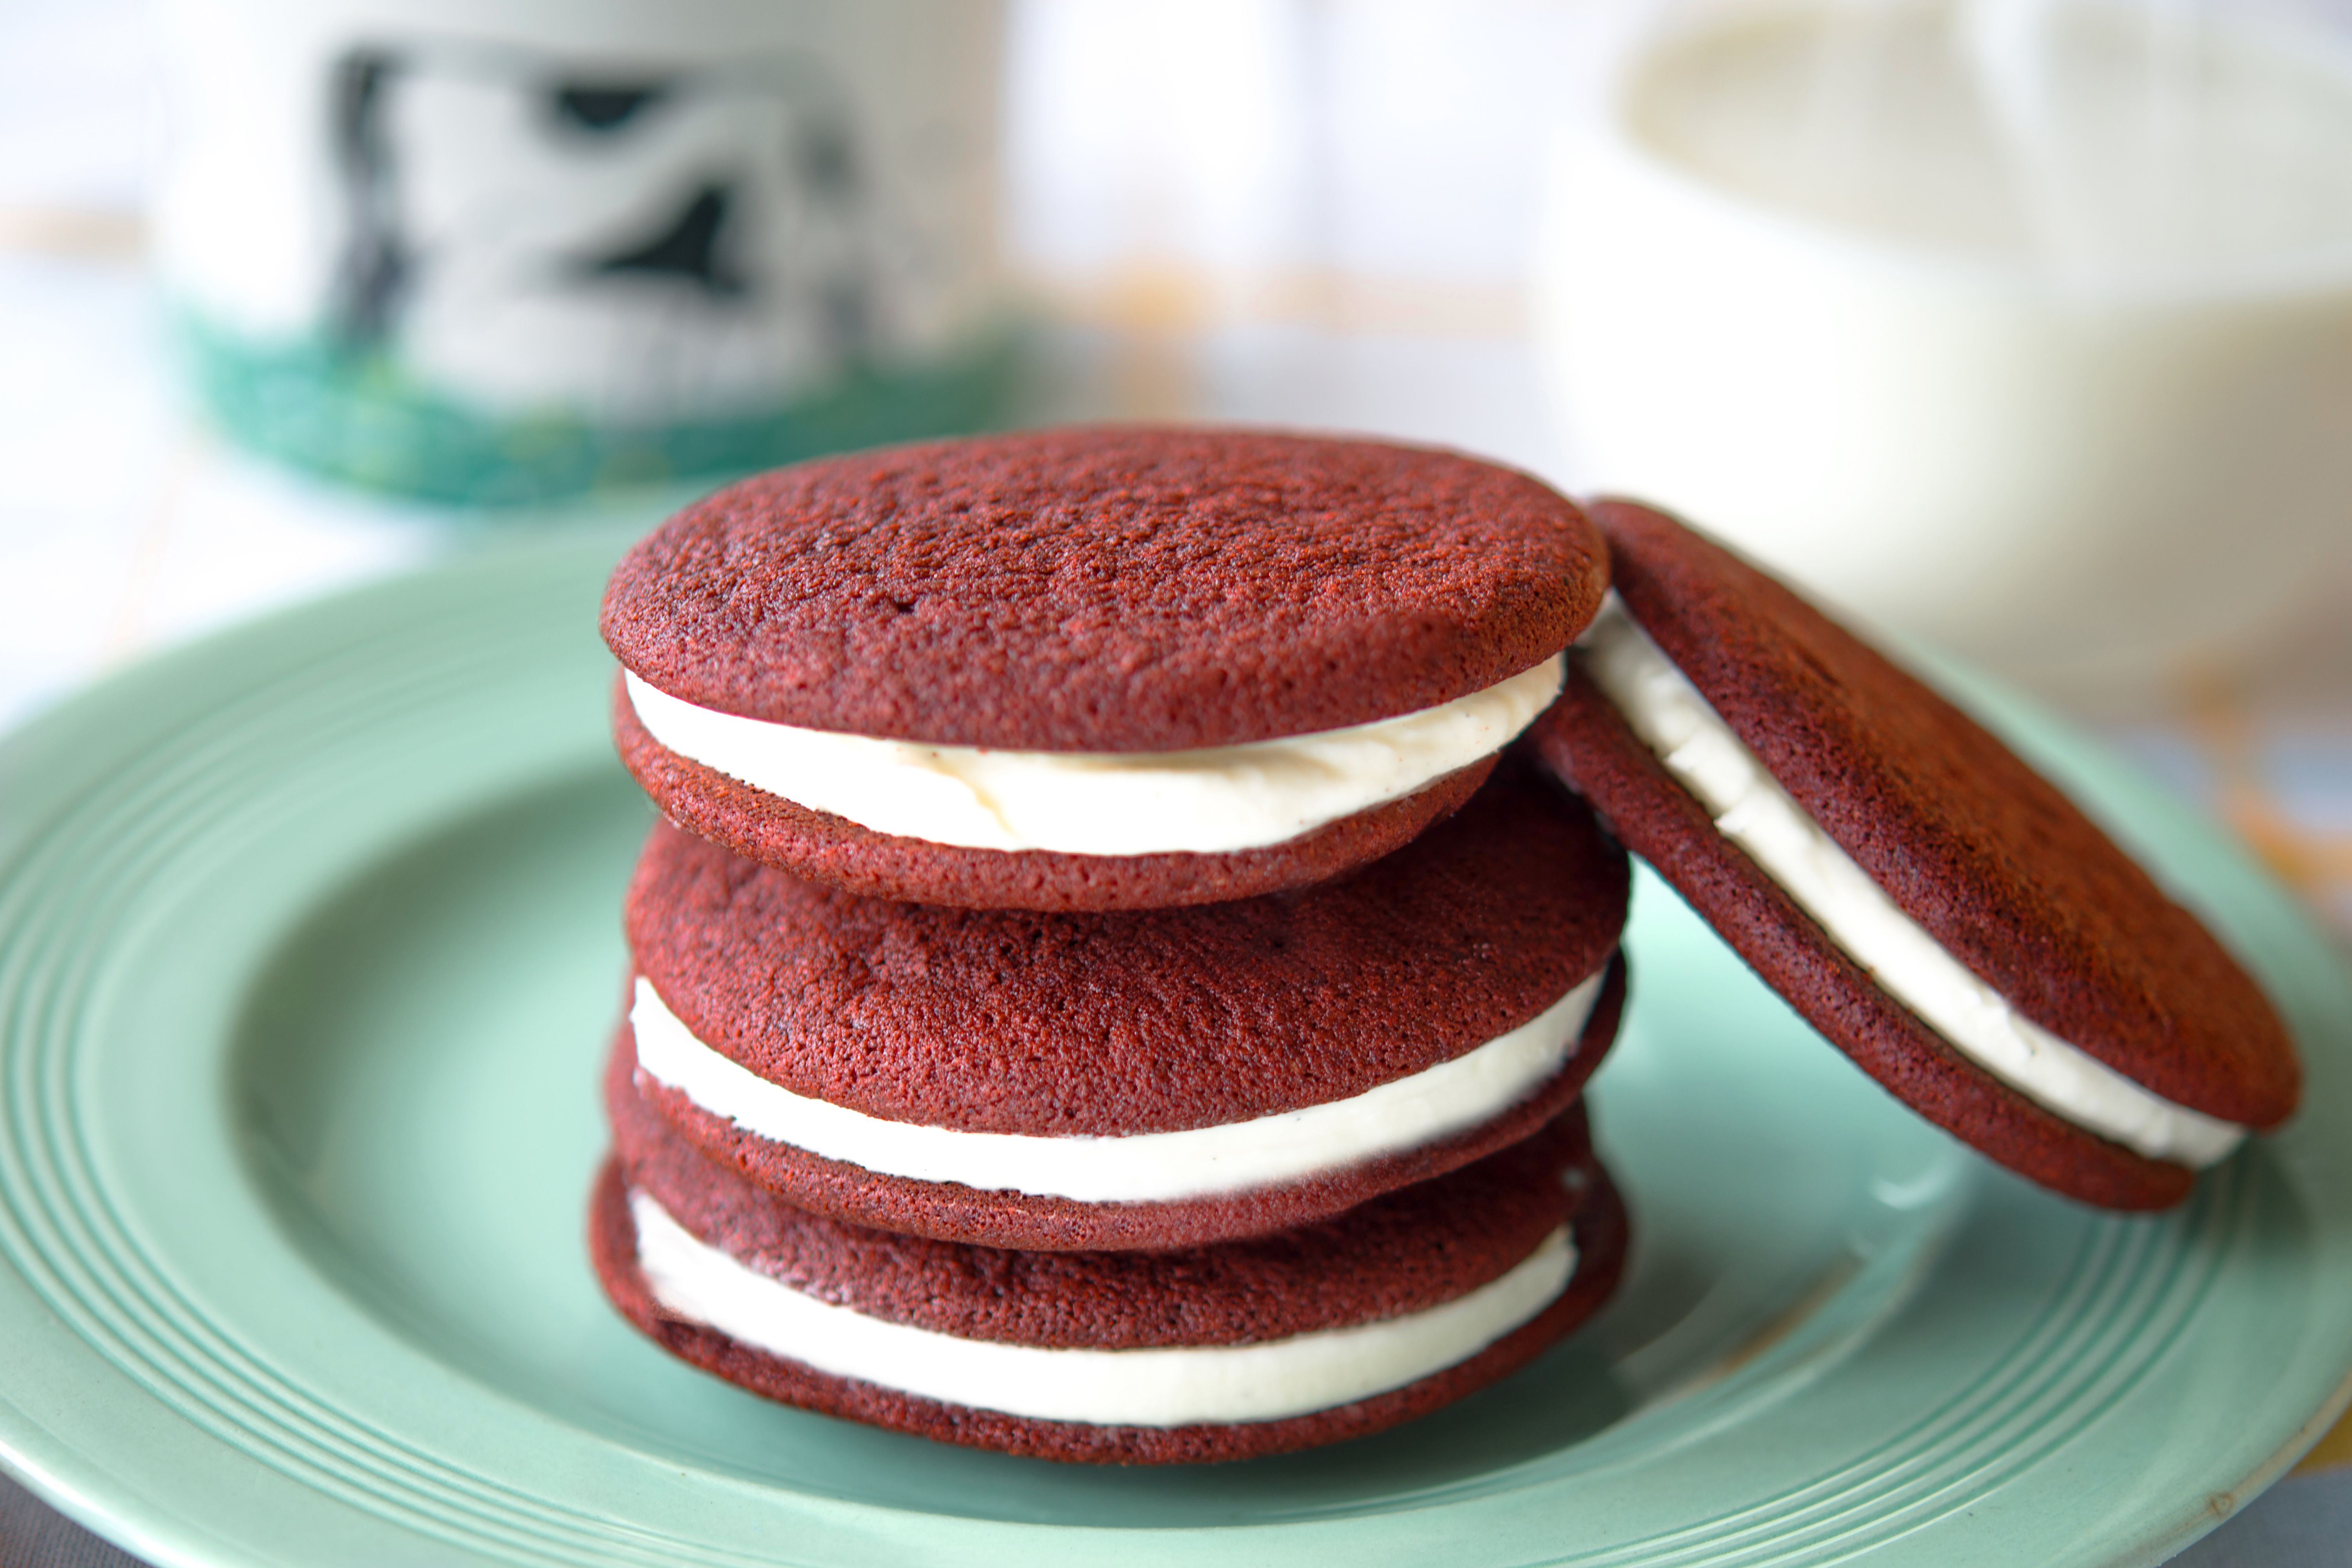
point(1404, 1252)
point(2003, 869)
point(1012, 1021)
point(1106, 589)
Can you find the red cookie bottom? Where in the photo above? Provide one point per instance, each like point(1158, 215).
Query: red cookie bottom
point(1600, 1232)
point(838, 852)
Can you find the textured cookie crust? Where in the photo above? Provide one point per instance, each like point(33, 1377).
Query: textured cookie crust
point(1600, 1234)
point(1051, 1024)
point(834, 850)
point(952, 1212)
point(1107, 589)
point(1597, 752)
point(2001, 868)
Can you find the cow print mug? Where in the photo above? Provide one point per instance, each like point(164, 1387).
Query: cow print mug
point(508, 251)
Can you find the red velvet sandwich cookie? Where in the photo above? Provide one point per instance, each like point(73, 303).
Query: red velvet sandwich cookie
point(1147, 1079)
point(1927, 901)
point(1328, 1331)
point(1093, 668)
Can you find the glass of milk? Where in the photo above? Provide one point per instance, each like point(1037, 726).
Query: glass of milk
point(2023, 325)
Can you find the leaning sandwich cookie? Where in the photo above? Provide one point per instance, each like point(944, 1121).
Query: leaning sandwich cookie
point(1933, 905)
point(1250, 1347)
point(1094, 668)
point(1145, 1078)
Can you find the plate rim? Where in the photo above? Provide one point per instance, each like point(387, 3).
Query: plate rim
point(53, 1466)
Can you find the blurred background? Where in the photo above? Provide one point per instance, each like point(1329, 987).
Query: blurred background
point(2019, 328)
point(2022, 327)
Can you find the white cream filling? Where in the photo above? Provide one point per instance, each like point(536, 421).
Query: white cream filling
point(1210, 801)
point(1142, 1167)
point(1752, 809)
point(1157, 1387)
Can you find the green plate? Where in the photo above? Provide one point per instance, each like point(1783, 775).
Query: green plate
point(309, 944)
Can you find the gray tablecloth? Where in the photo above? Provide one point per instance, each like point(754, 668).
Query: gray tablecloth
point(2304, 1522)
point(34, 1535)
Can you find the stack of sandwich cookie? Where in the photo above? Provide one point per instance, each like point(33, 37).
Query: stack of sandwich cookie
point(1097, 994)
point(1930, 903)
